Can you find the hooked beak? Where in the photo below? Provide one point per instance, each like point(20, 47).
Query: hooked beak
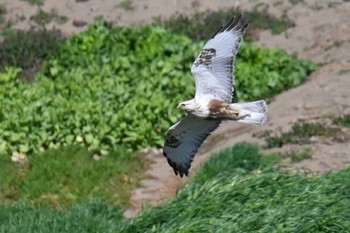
point(180, 106)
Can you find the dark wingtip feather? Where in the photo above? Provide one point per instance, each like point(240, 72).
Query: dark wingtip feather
point(178, 169)
point(234, 22)
point(219, 30)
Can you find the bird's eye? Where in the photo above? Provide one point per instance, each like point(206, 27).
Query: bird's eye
point(183, 105)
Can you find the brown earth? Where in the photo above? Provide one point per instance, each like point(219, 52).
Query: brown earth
point(321, 34)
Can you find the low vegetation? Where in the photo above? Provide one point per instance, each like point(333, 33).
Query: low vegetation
point(35, 2)
point(96, 98)
point(300, 155)
point(107, 87)
point(201, 25)
point(127, 5)
point(26, 49)
point(69, 175)
point(3, 12)
point(248, 195)
point(89, 216)
point(243, 194)
point(42, 18)
point(342, 121)
point(299, 134)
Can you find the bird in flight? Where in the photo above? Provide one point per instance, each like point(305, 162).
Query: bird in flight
point(213, 73)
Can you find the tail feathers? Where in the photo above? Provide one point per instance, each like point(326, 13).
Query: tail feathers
point(252, 112)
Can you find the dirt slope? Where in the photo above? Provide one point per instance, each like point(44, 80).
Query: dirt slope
point(321, 34)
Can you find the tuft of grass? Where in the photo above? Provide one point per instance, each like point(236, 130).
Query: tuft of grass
point(64, 176)
point(300, 155)
point(42, 18)
point(127, 5)
point(200, 25)
point(28, 49)
point(35, 2)
point(3, 12)
point(295, 2)
point(60, 19)
point(300, 134)
point(342, 121)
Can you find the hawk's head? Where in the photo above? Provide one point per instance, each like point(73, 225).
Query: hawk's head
point(188, 106)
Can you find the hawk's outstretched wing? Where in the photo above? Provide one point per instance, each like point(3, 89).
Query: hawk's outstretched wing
point(214, 66)
point(183, 140)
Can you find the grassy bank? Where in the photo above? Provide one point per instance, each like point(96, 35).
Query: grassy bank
point(239, 190)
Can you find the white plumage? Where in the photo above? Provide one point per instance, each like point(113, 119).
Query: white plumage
point(213, 73)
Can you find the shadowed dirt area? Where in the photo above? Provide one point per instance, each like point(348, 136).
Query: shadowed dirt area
point(321, 34)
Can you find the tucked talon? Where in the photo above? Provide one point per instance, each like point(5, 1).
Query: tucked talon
point(235, 113)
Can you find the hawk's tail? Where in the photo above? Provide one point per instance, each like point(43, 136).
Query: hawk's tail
point(251, 112)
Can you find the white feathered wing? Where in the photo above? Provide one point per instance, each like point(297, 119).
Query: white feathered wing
point(213, 74)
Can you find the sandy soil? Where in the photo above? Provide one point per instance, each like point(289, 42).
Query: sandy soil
point(321, 34)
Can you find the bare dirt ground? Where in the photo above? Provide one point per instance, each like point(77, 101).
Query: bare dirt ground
point(321, 34)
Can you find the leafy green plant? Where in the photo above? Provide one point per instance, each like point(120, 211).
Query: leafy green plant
point(273, 69)
point(68, 175)
point(109, 87)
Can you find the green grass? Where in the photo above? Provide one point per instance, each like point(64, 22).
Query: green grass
point(3, 12)
point(342, 121)
point(295, 2)
point(238, 190)
point(68, 175)
point(300, 155)
point(92, 216)
point(252, 197)
point(36, 2)
point(43, 18)
point(127, 5)
point(202, 25)
point(299, 134)
point(239, 159)
point(25, 49)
